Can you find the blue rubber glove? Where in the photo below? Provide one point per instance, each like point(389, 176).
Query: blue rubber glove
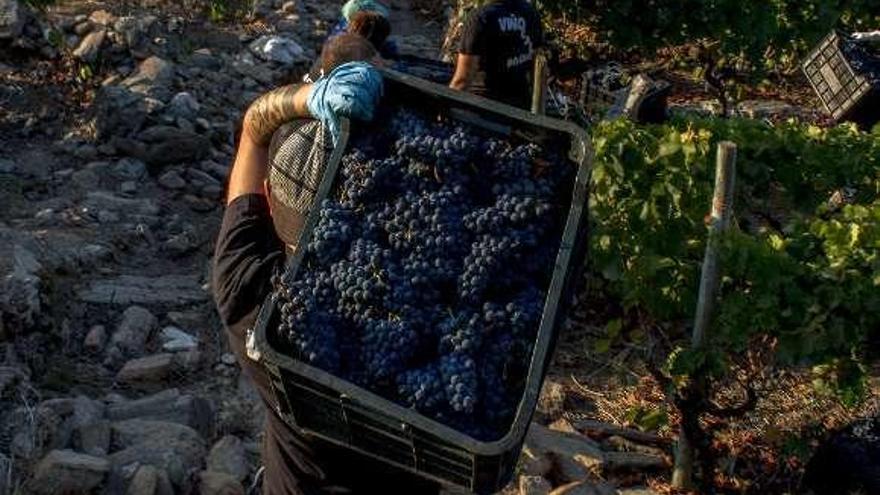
point(351, 90)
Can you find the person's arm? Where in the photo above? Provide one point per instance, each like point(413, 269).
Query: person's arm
point(262, 119)
point(465, 70)
point(471, 47)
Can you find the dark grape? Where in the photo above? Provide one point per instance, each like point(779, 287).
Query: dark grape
point(425, 275)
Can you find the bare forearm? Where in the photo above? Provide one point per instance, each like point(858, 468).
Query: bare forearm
point(465, 71)
point(273, 109)
point(250, 169)
point(262, 119)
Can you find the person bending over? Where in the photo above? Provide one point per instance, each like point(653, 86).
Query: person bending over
point(269, 195)
point(497, 51)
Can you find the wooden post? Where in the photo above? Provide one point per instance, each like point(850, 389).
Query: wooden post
point(539, 88)
point(722, 210)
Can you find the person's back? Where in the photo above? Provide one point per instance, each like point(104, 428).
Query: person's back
point(504, 35)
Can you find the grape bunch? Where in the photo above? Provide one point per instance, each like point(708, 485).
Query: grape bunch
point(425, 276)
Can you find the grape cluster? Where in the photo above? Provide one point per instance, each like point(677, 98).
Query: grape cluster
point(424, 277)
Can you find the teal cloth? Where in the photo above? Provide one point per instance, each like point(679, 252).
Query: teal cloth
point(352, 7)
point(351, 90)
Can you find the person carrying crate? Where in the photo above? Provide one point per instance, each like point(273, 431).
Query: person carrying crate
point(269, 194)
point(498, 45)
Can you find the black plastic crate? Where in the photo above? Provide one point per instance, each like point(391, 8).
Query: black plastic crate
point(320, 404)
point(846, 92)
point(424, 68)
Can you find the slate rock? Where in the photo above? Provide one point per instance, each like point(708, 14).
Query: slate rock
point(12, 19)
point(214, 483)
point(169, 406)
point(153, 78)
point(93, 438)
point(175, 340)
point(228, 456)
point(148, 480)
point(118, 111)
point(176, 290)
point(134, 329)
point(66, 471)
point(90, 46)
point(130, 169)
point(172, 180)
point(279, 49)
point(149, 369)
point(183, 105)
point(174, 448)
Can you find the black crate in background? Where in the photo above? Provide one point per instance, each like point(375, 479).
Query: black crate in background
point(847, 94)
point(320, 404)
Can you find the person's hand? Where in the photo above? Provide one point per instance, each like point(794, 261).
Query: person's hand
point(351, 90)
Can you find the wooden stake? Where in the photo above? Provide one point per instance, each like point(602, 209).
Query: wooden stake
point(539, 89)
point(722, 210)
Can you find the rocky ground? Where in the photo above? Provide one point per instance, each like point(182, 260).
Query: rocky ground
point(117, 124)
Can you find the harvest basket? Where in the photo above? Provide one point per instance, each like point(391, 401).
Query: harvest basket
point(846, 93)
point(317, 403)
point(424, 68)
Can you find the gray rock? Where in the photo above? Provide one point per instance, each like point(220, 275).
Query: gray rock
point(148, 480)
point(228, 456)
point(102, 18)
point(213, 191)
point(128, 187)
point(10, 379)
point(92, 255)
point(133, 331)
point(575, 454)
point(204, 59)
point(20, 291)
point(220, 172)
point(130, 169)
point(187, 361)
point(172, 180)
point(169, 406)
point(90, 46)
point(152, 78)
point(65, 471)
point(7, 166)
point(278, 49)
point(83, 28)
point(163, 145)
point(201, 179)
point(93, 439)
point(103, 201)
point(118, 111)
point(578, 488)
point(77, 411)
point(228, 359)
point(183, 105)
point(149, 369)
point(289, 7)
point(175, 339)
point(534, 485)
point(182, 243)
point(12, 19)
point(31, 432)
point(134, 30)
point(178, 290)
point(174, 448)
point(214, 483)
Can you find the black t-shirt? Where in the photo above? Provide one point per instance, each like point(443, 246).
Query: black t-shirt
point(247, 253)
point(505, 35)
